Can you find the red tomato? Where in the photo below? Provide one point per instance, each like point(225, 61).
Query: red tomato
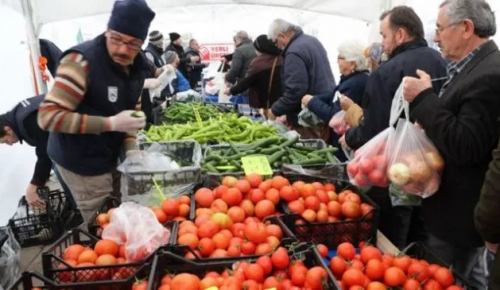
point(444, 277)
point(346, 251)
point(338, 266)
point(280, 259)
point(266, 263)
point(394, 277)
point(255, 272)
point(418, 271)
point(353, 277)
point(370, 252)
point(315, 278)
point(375, 269)
point(323, 250)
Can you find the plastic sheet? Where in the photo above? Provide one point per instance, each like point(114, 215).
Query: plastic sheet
point(138, 229)
point(10, 253)
point(309, 119)
point(338, 123)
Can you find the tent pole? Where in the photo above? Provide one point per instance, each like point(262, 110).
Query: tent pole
point(40, 87)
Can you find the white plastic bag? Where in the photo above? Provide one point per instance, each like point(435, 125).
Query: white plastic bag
point(416, 164)
point(165, 79)
point(136, 227)
point(309, 119)
point(9, 258)
point(338, 123)
point(149, 160)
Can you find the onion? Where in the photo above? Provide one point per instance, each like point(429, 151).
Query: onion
point(399, 174)
point(434, 160)
point(420, 171)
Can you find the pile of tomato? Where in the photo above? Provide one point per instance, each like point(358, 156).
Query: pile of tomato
point(373, 270)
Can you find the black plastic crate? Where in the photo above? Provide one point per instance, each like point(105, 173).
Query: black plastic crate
point(109, 203)
point(120, 276)
point(168, 262)
point(287, 239)
point(40, 226)
point(332, 234)
point(30, 280)
point(420, 251)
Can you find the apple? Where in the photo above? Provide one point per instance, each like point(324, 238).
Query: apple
point(399, 174)
point(353, 168)
point(366, 166)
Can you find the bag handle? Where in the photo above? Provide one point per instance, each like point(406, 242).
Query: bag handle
point(271, 82)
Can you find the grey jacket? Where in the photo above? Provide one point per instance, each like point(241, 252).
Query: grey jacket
point(242, 57)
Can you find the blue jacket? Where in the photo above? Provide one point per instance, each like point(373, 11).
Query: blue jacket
point(384, 82)
point(352, 85)
point(306, 70)
point(182, 82)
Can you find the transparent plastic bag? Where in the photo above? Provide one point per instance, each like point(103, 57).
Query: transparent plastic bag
point(400, 198)
point(416, 164)
point(136, 227)
point(10, 257)
point(338, 123)
point(309, 119)
point(369, 165)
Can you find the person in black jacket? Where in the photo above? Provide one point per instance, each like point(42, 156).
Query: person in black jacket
point(194, 69)
point(306, 70)
point(262, 95)
point(354, 75)
point(50, 51)
point(20, 124)
point(462, 120)
point(176, 46)
point(155, 50)
point(404, 44)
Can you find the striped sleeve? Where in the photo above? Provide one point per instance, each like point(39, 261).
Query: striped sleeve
point(57, 111)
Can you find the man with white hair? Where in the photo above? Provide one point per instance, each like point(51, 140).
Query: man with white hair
point(306, 70)
point(462, 120)
point(242, 57)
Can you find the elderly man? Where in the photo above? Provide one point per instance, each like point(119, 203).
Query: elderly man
point(176, 46)
point(462, 121)
point(155, 50)
point(306, 71)
point(90, 111)
point(242, 57)
point(194, 69)
point(404, 44)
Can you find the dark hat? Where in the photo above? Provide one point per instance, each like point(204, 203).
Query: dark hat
point(264, 45)
point(174, 36)
point(131, 17)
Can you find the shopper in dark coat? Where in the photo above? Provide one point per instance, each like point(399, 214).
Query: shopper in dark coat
point(462, 120)
point(306, 69)
point(268, 62)
point(195, 68)
point(176, 46)
point(242, 57)
point(52, 53)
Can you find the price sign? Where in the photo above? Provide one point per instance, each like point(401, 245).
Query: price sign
point(256, 164)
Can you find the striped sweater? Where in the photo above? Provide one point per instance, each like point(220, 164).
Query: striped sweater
point(57, 111)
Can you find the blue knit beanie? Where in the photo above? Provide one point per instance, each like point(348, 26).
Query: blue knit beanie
point(131, 17)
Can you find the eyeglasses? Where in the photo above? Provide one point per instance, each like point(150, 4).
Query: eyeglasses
point(440, 30)
point(118, 41)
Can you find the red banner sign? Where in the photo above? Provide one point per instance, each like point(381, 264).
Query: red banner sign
point(215, 51)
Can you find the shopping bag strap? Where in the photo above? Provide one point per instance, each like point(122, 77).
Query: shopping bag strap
point(271, 82)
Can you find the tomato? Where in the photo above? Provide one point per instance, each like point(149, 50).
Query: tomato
point(208, 282)
point(346, 251)
point(280, 274)
point(250, 285)
point(432, 284)
point(185, 281)
point(167, 279)
point(387, 259)
point(316, 277)
point(206, 246)
point(266, 263)
point(73, 252)
point(299, 275)
point(88, 274)
point(219, 253)
point(309, 215)
point(323, 250)
point(312, 202)
point(279, 182)
point(247, 247)
point(254, 179)
point(265, 185)
point(318, 185)
point(298, 184)
point(263, 249)
point(189, 239)
point(87, 256)
point(256, 195)
point(370, 252)
point(243, 185)
point(229, 181)
point(432, 270)
point(353, 277)
point(366, 211)
point(237, 230)
point(222, 220)
point(188, 230)
point(334, 208)
point(140, 285)
point(338, 266)
point(66, 276)
point(208, 229)
point(286, 284)
point(322, 216)
point(329, 187)
point(355, 264)
point(233, 196)
point(307, 190)
point(256, 233)
point(170, 206)
point(184, 210)
point(418, 271)
point(264, 208)
point(296, 206)
point(366, 166)
point(323, 196)
point(255, 272)
point(356, 288)
point(454, 287)
point(394, 277)
point(280, 259)
point(221, 241)
point(353, 168)
point(353, 197)
point(376, 286)
point(272, 282)
point(375, 269)
point(236, 214)
point(402, 263)
point(106, 247)
point(444, 277)
point(248, 207)
point(273, 195)
point(219, 205)
point(351, 209)
point(289, 193)
point(411, 284)
point(274, 230)
point(273, 242)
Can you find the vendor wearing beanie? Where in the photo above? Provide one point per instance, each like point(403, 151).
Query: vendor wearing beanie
point(176, 46)
point(154, 50)
point(89, 110)
point(263, 77)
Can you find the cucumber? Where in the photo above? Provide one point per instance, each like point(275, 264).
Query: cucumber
point(138, 114)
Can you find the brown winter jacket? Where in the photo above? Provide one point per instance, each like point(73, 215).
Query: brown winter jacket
point(257, 81)
point(487, 213)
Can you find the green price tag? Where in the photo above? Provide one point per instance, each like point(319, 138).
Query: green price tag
point(256, 164)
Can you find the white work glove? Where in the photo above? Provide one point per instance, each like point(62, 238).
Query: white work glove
point(169, 69)
point(151, 83)
point(127, 122)
point(195, 58)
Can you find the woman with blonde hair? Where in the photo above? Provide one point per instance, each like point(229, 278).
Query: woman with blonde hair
point(354, 75)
